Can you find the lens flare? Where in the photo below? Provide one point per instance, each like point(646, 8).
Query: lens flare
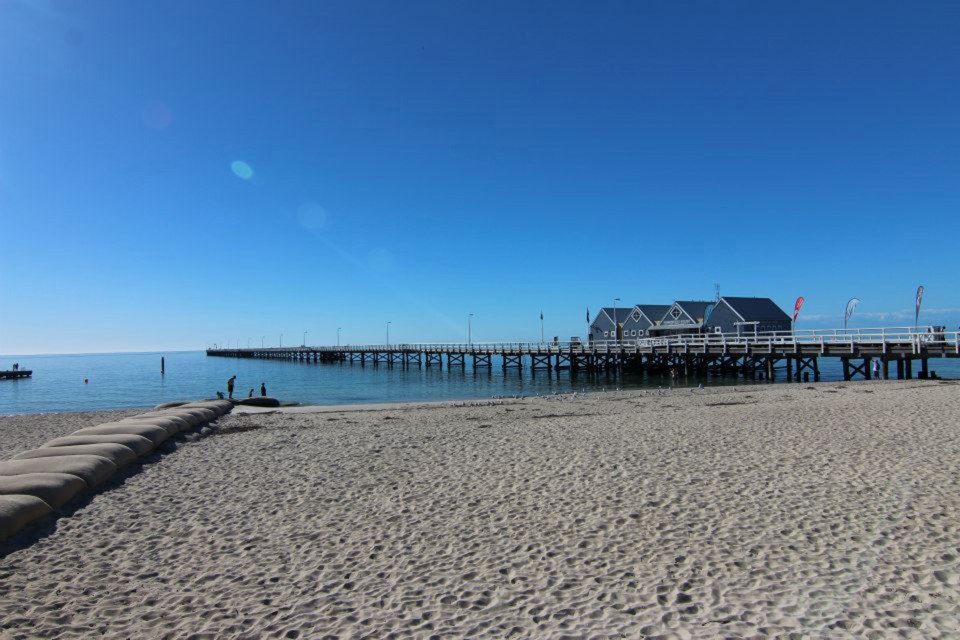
point(241, 169)
point(312, 216)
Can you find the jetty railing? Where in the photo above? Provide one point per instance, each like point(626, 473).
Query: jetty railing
point(879, 335)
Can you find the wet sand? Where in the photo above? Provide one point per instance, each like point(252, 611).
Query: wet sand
point(828, 510)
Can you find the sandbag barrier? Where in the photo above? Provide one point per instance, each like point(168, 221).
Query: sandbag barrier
point(35, 483)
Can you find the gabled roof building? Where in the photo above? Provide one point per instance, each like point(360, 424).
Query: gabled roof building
point(685, 316)
point(642, 318)
point(602, 327)
point(747, 316)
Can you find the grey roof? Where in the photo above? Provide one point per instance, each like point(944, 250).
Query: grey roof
point(757, 309)
point(696, 309)
point(654, 311)
point(622, 312)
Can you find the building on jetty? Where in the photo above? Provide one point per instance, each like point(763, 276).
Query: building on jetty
point(685, 317)
point(747, 316)
point(728, 315)
point(643, 319)
point(609, 323)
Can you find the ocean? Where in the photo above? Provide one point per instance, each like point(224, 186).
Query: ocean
point(133, 380)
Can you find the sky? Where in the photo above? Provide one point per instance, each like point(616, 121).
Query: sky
point(180, 174)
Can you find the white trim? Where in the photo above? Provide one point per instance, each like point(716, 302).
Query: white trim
point(729, 306)
point(651, 323)
point(676, 305)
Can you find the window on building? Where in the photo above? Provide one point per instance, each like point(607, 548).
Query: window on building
point(636, 316)
point(640, 332)
point(633, 332)
point(675, 314)
point(606, 334)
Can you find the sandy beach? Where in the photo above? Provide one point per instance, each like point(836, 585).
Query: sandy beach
point(828, 510)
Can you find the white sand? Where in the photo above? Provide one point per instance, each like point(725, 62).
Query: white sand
point(812, 510)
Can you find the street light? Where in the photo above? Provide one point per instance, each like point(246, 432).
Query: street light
point(388, 333)
point(338, 335)
point(305, 338)
point(469, 330)
point(281, 341)
point(616, 328)
point(248, 343)
point(261, 341)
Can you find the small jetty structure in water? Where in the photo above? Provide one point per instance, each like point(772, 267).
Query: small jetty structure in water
point(795, 354)
point(15, 374)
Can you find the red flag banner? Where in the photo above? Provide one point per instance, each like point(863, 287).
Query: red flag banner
point(796, 307)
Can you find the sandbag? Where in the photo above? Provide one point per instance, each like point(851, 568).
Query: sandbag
point(56, 489)
point(259, 402)
point(140, 445)
point(17, 511)
point(170, 405)
point(173, 424)
point(219, 407)
point(191, 416)
point(92, 469)
point(204, 414)
point(115, 453)
point(155, 434)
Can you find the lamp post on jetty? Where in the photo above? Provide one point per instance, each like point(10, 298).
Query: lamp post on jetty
point(248, 343)
point(281, 341)
point(469, 330)
point(338, 335)
point(388, 333)
point(616, 328)
point(305, 338)
point(261, 341)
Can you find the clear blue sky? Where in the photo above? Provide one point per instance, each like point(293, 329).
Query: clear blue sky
point(415, 162)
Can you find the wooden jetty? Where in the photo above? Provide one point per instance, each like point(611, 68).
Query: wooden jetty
point(14, 375)
point(796, 354)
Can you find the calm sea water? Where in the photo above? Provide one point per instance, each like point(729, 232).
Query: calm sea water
point(129, 380)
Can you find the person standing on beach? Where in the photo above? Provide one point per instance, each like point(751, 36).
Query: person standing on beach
point(876, 369)
point(263, 389)
point(230, 386)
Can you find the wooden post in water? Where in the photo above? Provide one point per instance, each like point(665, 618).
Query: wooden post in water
point(162, 366)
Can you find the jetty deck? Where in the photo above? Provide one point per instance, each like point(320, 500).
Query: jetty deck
point(796, 354)
point(9, 374)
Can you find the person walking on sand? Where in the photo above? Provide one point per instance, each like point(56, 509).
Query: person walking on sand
point(876, 369)
point(230, 386)
point(263, 389)
point(250, 395)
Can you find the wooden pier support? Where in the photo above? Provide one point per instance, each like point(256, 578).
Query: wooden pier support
point(481, 360)
point(541, 361)
point(512, 361)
